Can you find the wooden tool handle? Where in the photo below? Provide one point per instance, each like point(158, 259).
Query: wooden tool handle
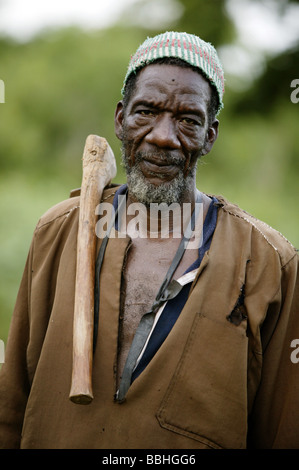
point(99, 168)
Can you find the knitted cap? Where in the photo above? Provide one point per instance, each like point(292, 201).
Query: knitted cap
point(184, 46)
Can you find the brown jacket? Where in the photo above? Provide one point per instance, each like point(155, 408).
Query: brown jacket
point(223, 378)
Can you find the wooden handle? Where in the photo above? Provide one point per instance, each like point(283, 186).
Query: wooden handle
point(99, 168)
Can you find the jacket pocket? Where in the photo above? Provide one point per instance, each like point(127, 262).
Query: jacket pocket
point(206, 399)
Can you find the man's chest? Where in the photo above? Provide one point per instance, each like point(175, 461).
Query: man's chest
point(146, 266)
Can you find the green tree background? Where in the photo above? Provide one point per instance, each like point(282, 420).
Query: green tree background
point(64, 84)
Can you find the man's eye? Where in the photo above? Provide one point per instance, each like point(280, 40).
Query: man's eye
point(190, 121)
point(145, 112)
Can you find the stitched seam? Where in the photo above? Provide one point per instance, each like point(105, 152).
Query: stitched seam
point(250, 222)
point(64, 214)
point(69, 211)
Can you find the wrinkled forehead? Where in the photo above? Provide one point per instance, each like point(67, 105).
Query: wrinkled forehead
point(180, 83)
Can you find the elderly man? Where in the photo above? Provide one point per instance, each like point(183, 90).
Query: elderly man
point(214, 368)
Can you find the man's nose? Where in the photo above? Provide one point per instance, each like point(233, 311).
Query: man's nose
point(163, 134)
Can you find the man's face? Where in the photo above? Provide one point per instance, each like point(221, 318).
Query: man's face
point(164, 130)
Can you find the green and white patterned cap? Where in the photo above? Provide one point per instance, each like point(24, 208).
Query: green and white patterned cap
point(184, 46)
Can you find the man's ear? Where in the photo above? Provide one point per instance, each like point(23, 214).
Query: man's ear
point(212, 134)
point(118, 120)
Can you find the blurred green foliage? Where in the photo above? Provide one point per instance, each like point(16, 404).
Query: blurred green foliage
point(64, 84)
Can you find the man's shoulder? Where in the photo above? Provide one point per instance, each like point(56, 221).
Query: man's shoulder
point(58, 211)
point(72, 204)
point(265, 233)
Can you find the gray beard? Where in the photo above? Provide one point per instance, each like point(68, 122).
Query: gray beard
point(147, 193)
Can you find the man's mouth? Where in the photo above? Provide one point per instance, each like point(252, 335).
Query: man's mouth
point(158, 168)
point(157, 165)
point(163, 165)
